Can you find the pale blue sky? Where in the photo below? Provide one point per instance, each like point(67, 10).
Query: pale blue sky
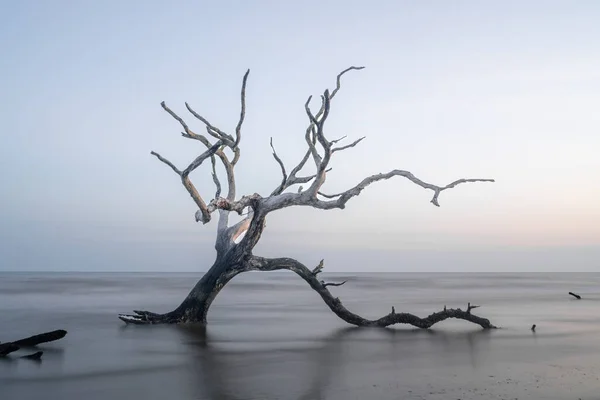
point(507, 90)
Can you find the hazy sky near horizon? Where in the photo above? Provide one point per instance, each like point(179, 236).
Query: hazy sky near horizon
point(505, 90)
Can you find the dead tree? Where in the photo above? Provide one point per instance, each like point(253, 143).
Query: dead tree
point(235, 242)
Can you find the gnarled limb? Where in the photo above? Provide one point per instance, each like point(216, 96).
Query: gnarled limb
point(211, 129)
point(357, 141)
point(215, 177)
point(311, 137)
point(355, 191)
point(255, 263)
point(204, 214)
point(238, 128)
point(281, 187)
point(223, 139)
point(306, 199)
point(325, 284)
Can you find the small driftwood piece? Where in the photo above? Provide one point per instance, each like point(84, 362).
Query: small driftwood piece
point(9, 347)
point(578, 297)
point(34, 356)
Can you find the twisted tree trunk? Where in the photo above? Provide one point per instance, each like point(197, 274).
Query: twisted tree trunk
point(194, 307)
point(235, 257)
point(232, 259)
point(239, 259)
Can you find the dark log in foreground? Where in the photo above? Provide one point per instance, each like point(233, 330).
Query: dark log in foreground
point(578, 297)
point(41, 338)
point(297, 188)
point(10, 347)
point(7, 348)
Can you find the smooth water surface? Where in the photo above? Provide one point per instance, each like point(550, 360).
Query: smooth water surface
point(271, 337)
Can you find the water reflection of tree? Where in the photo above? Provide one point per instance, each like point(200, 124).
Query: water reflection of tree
point(214, 370)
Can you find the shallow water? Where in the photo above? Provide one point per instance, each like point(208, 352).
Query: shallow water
point(272, 337)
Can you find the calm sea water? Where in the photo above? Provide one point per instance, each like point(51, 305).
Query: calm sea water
point(271, 337)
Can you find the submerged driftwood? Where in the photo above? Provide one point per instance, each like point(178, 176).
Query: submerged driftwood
point(10, 347)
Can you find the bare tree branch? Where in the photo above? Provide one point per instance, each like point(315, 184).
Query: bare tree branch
point(224, 159)
point(306, 199)
point(339, 79)
point(203, 214)
point(355, 191)
point(281, 187)
point(310, 135)
point(318, 269)
point(200, 159)
point(215, 132)
point(215, 177)
point(338, 140)
point(321, 163)
point(300, 165)
point(169, 163)
point(256, 263)
point(236, 156)
point(211, 129)
point(348, 145)
point(297, 180)
point(332, 284)
point(201, 138)
point(179, 119)
point(471, 307)
point(238, 129)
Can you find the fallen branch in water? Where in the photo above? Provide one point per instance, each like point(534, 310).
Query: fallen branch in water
point(578, 297)
point(41, 338)
point(10, 347)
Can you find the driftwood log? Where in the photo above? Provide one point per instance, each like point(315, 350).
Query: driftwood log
point(235, 241)
point(578, 297)
point(10, 347)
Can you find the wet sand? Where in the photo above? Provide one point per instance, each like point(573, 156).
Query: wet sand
point(294, 348)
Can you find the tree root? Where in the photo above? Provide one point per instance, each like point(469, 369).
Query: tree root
point(148, 318)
